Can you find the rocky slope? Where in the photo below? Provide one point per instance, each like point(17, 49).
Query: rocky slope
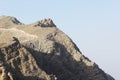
point(40, 51)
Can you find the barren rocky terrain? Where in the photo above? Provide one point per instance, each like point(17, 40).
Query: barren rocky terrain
point(40, 51)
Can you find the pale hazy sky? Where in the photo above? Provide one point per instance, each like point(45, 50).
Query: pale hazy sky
point(94, 25)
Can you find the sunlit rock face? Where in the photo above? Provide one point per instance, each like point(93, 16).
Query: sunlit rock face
point(40, 51)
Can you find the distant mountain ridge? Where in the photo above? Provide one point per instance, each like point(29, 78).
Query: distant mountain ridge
point(40, 51)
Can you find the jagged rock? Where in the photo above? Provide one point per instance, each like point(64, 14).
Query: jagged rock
point(39, 53)
point(4, 75)
point(45, 23)
point(20, 63)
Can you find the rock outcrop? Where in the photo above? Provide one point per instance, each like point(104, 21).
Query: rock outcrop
point(18, 61)
point(40, 51)
point(45, 23)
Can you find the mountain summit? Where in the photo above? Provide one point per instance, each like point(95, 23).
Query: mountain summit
point(40, 51)
point(6, 21)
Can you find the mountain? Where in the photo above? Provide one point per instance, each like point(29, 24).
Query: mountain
point(40, 51)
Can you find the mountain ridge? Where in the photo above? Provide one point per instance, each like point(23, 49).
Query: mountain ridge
point(50, 51)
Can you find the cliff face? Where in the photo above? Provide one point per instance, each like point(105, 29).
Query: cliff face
point(40, 51)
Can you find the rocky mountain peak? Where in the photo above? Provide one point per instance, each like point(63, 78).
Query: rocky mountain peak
point(28, 52)
point(45, 23)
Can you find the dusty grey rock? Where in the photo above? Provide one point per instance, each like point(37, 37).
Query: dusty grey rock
point(43, 52)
